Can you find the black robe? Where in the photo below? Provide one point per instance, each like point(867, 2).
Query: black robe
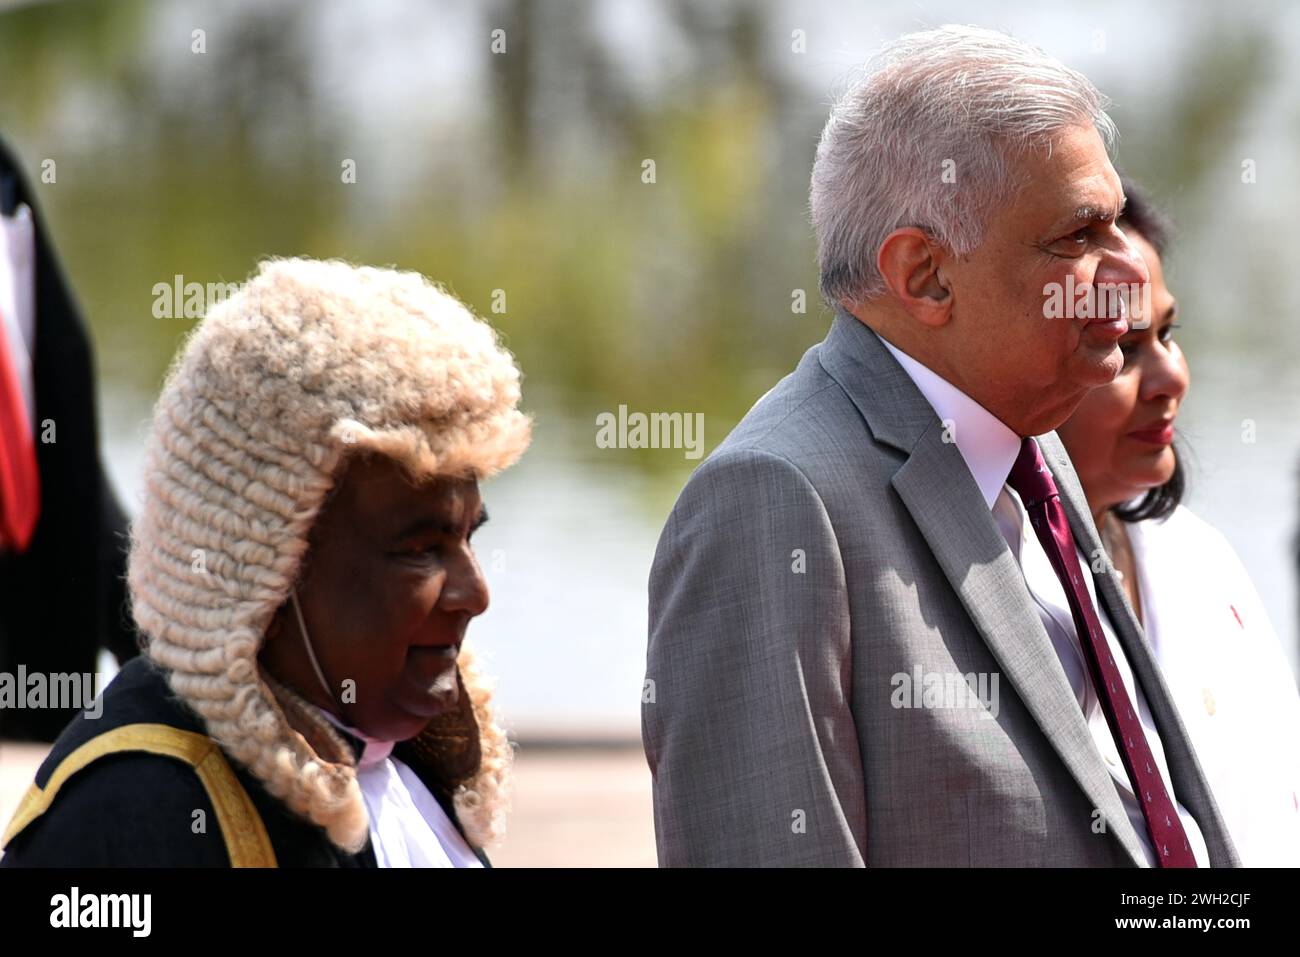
point(136, 809)
point(65, 597)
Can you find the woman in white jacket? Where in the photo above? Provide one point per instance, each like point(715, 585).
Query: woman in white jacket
point(1218, 651)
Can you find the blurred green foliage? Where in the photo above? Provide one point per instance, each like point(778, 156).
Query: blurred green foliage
point(674, 295)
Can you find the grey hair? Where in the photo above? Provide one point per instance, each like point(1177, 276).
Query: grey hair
point(975, 97)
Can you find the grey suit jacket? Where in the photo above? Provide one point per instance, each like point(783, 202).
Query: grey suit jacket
point(832, 543)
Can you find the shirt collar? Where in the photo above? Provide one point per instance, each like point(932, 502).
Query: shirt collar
point(988, 447)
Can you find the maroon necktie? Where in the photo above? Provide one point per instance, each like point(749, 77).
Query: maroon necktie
point(1033, 483)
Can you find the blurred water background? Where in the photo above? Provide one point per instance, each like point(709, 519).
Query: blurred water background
point(522, 172)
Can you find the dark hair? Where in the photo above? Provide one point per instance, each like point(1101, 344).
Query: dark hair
point(1143, 217)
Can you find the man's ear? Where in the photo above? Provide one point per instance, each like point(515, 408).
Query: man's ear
point(909, 262)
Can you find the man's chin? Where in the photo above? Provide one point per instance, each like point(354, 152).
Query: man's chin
point(1101, 364)
point(408, 718)
point(401, 726)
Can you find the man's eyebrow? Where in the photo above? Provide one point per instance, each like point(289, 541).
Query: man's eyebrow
point(1096, 212)
point(439, 524)
point(1089, 211)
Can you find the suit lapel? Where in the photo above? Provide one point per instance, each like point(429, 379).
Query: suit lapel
point(944, 500)
point(1190, 786)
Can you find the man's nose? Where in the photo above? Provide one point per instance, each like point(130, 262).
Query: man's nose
point(465, 589)
point(1123, 263)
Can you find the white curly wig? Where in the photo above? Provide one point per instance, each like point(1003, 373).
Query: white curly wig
point(309, 362)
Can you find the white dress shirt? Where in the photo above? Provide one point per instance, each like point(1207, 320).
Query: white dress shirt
point(1229, 677)
point(408, 827)
point(989, 449)
point(18, 299)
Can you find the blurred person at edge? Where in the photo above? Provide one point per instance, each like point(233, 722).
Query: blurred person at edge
point(62, 531)
point(859, 656)
point(1199, 610)
point(302, 578)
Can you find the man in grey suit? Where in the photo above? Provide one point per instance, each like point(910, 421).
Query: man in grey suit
point(859, 652)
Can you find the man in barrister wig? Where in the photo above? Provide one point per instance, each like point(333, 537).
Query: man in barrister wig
point(62, 532)
point(302, 577)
